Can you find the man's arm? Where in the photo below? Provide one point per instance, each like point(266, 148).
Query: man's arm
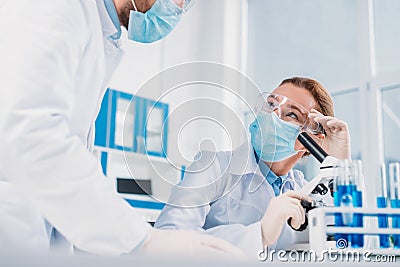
point(190, 203)
point(41, 45)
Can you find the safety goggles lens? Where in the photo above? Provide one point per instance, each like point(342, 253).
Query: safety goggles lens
point(289, 111)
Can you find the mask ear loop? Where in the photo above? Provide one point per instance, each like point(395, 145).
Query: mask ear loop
point(134, 6)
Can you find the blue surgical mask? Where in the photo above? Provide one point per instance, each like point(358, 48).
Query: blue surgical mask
point(272, 138)
point(156, 23)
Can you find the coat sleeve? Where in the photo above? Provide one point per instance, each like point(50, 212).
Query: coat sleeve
point(245, 237)
point(40, 47)
point(191, 201)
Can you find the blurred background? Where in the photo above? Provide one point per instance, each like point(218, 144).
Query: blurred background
point(351, 46)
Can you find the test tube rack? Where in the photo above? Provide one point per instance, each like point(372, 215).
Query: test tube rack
point(318, 230)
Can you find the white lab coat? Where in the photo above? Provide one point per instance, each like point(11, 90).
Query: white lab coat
point(226, 195)
point(55, 62)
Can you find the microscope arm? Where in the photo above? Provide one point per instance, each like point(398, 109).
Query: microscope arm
point(327, 162)
point(326, 173)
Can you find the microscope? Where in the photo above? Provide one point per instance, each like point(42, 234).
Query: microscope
point(322, 184)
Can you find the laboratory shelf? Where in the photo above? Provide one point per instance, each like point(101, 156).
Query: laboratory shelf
point(130, 154)
point(371, 232)
point(145, 204)
point(361, 230)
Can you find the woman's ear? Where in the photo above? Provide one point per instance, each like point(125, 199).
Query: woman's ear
point(320, 139)
point(320, 136)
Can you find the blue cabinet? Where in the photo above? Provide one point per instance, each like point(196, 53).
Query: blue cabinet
point(138, 126)
point(131, 123)
point(123, 121)
point(155, 130)
point(102, 123)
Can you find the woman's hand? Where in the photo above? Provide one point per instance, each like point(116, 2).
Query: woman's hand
point(279, 210)
point(337, 139)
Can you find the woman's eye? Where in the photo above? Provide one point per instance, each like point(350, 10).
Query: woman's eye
point(270, 104)
point(292, 115)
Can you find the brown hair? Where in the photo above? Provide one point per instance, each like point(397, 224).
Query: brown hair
point(323, 100)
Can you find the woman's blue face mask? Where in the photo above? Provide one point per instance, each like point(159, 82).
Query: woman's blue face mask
point(156, 23)
point(273, 139)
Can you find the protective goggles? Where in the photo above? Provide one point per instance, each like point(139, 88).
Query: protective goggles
point(289, 111)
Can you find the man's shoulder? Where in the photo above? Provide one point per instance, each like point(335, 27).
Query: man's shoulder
point(47, 11)
point(32, 6)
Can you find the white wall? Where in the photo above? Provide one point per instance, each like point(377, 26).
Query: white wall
point(310, 38)
point(139, 63)
point(269, 40)
point(351, 46)
point(208, 32)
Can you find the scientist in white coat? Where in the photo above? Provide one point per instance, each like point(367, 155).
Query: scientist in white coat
point(246, 196)
point(57, 57)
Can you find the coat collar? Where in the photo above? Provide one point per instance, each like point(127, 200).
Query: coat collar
point(109, 19)
point(243, 161)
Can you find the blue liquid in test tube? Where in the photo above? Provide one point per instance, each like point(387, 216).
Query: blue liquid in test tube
point(357, 240)
point(381, 202)
point(337, 195)
point(382, 222)
point(343, 197)
point(394, 175)
point(395, 203)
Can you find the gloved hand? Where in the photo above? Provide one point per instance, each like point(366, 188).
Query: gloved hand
point(279, 210)
point(337, 140)
point(187, 244)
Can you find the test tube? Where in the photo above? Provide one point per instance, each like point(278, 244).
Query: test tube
point(337, 194)
point(347, 199)
point(394, 175)
point(341, 196)
point(383, 181)
point(381, 202)
point(357, 240)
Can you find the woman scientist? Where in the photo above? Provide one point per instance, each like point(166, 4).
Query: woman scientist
point(247, 195)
